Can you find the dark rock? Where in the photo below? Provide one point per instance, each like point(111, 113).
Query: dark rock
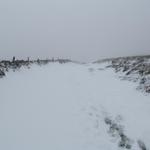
point(2, 73)
point(142, 145)
point(147, 89)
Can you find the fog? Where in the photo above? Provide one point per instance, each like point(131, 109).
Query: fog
point(84, 30)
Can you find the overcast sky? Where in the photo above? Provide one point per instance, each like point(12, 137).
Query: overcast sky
point(78, 29)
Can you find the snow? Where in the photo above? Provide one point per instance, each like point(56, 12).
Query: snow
point(63, 107)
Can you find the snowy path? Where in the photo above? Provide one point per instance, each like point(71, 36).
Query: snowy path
point(63, 107)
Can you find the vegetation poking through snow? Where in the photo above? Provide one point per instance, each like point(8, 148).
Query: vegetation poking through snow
point(136, 69)
point(6, 65)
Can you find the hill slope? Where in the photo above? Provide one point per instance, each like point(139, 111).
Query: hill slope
point(72, 107)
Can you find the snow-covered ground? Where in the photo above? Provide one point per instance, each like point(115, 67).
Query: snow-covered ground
point(65, 107)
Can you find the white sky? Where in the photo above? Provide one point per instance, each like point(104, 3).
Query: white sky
point(78, 29)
